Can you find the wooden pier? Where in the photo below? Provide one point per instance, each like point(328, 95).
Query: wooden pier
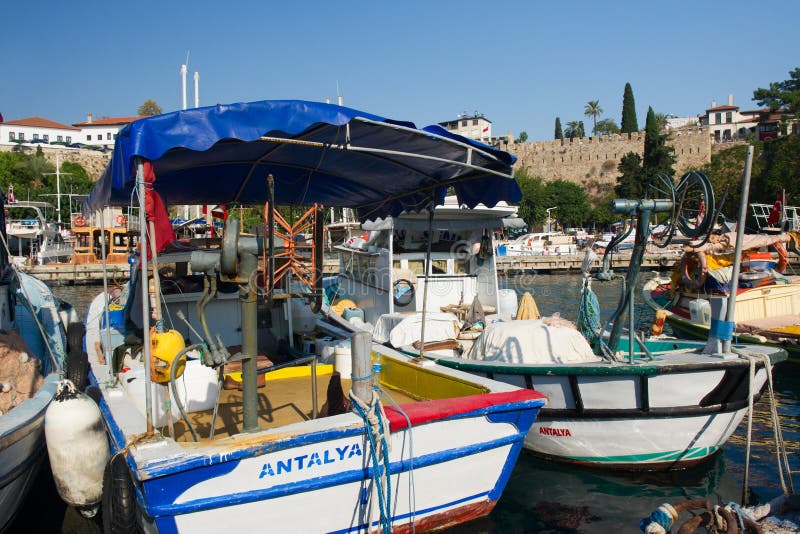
point(67, 273)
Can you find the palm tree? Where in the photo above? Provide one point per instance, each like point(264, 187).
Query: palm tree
point(593, 108)
point(574, 129)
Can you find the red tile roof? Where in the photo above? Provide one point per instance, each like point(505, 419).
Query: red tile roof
point(39, 122)
point(109, 121)
point(722, 108)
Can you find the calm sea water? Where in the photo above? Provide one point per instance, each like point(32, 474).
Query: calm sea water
point(544, 496)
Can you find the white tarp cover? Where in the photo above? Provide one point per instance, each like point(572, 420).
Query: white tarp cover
point(438, 327)
point(531, 341)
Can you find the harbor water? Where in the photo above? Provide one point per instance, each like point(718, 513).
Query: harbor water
point(548, 497)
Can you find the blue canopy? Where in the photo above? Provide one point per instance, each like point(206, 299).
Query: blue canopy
point(316, 152)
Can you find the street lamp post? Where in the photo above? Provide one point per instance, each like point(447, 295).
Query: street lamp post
point(549, 228)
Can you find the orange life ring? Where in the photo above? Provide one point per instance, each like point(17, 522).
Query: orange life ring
point(687, 278)
point(783, 257)
point(79, 220)
point(122, 220)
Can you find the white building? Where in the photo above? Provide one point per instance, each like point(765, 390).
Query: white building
point(92, 133)
point(102, 132)
point(37, 129)
point(727, 123)
point(475, 127)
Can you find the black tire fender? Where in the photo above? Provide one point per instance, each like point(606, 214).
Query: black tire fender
point(75, 335)
point(119, 498)
point(76, 368)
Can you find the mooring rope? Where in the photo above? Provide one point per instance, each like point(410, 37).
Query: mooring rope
point(377, 426)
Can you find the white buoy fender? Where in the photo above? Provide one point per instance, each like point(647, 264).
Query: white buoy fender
point(77, 446)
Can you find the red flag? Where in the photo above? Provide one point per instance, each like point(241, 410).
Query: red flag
point(486, 129)
point(776, 213)
point(11, 197)
point(156, 212)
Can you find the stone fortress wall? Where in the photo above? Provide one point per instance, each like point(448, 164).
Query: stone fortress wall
point(592, 162)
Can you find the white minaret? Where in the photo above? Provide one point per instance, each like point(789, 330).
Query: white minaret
point(183, 85)
point(196, 89)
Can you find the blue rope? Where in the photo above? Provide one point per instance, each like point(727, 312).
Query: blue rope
point(384, 505)
point(659, 517)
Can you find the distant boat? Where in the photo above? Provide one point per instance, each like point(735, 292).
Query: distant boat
point(32, 238)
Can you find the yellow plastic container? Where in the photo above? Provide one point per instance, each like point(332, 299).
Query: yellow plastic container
point(164, 347)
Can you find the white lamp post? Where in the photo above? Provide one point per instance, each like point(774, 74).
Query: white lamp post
point(549, 229)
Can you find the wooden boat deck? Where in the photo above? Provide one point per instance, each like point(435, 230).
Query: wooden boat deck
point(280, 402)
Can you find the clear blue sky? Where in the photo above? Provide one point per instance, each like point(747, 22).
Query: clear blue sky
point(519, 63)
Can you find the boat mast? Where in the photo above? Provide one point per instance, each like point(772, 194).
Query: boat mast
point(145, 297)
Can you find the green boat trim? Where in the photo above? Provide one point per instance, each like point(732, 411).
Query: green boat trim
point(694, 453)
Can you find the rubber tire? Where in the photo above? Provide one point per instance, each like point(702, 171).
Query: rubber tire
point(76, 369)
point(75, 334)
point(119, 498)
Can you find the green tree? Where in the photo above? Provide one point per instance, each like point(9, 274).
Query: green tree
point(661, 121)
point(601, 213)
point(593, 109)
point(574, 129)
point(630, 183)
point(607, 126)
point(658, 156)
point(532, 206)
point(523, 137)
point(559, 133)
point(572, 201)
point(785, 94)
point(628, 123)
point(149, 108)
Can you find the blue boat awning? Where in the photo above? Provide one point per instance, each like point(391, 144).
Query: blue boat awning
point(317, 153)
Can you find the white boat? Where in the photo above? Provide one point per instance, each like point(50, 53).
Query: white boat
point(33, 336)
point(32, 238)
point(240, 460)
point(540, 244)
point(665, 406)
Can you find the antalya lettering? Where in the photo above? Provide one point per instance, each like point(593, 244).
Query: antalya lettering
point(309, 461)
point(548, 431)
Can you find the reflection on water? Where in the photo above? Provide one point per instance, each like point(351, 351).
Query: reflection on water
point(544, 496)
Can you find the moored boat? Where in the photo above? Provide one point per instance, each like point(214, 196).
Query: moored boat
point(665, 404)
point(767, 300)
point(198, 457)
point(33, 347)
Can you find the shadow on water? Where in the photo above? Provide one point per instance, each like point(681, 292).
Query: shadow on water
point(544, 496)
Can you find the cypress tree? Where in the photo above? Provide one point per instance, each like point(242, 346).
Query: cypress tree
point(628, 123)
point(559, 133)
point(658, 156)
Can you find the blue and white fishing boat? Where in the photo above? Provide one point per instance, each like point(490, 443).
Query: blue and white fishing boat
point(33, 347)
point(189, 455)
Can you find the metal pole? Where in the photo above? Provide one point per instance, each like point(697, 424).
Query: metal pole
point(431, 209)
point(107, 349)
point(145, 297)
point(737, 260)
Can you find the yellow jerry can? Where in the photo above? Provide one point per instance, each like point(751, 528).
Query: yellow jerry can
point(164, 347)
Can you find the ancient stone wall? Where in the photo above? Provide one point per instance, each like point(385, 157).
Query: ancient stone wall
point(93, 161)
point(592, 161)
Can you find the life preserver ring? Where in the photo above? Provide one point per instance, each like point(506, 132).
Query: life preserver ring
point(402, 292)
point(687, 279)
point(783, 257)
point(79, 220)
point(122, 220)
